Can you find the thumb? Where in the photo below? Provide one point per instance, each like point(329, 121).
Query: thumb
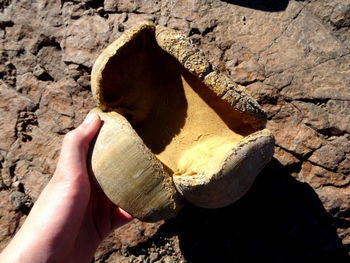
point(75, 146)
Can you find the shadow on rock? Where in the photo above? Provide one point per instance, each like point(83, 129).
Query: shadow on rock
point(278, 220)
point(264, 5)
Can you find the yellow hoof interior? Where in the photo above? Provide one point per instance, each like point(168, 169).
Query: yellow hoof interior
point(183, 122)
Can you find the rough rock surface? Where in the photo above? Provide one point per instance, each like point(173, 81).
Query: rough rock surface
point(292, 56)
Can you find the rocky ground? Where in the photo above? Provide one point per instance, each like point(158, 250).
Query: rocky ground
point(292, 56)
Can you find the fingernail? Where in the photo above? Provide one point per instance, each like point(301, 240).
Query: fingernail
point(90, 117)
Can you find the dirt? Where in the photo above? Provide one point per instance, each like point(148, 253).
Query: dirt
point(292, 56)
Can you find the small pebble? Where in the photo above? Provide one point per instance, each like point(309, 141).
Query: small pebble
point(38, 71)
point(18, 199)
point(153, 257)
point(168, 259)
point(16, 184)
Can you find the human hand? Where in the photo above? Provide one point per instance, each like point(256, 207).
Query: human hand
point(71, 216)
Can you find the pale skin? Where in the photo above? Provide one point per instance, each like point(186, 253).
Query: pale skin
point(71, 216)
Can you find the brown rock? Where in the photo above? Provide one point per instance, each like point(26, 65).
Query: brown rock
point(143, 6)
point(331, 155)
point(284, 157)
point(299, 139)
point(339, 117)
point(317, 176)
point(335, 14)
point(93, 34)
point(319, 83)
point(136, 232)
point(50, 58)
point(134, 19)
point(11, 104)
point(264, 94)
point(9, 219)
point(56, 107)
point(307, 46)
